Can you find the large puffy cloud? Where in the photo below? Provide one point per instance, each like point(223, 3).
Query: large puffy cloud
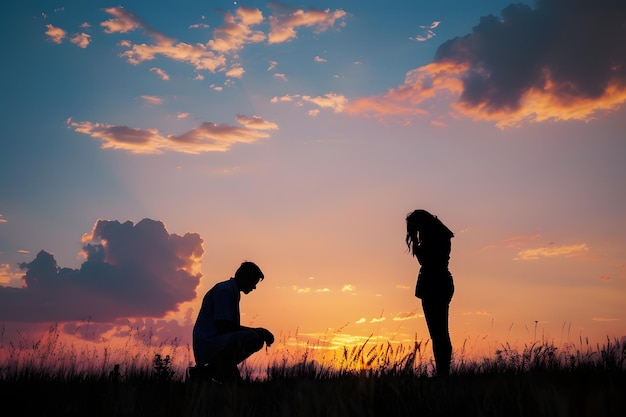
point(131, 270)
point(562, 60)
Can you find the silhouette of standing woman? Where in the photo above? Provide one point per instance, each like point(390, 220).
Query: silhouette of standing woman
point(428, 240)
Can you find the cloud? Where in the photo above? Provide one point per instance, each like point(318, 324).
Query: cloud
point(9, 277)
point(236, 31)
point(272, 65)
point(429, 34)
point(208, 137)
point(283, 25)
point(301, 290)
point(551, 251)
point(212, 137)
point(319, 59)
point(256, 122)
point(562, 60)
point(152, 99)
point(333, 101)
point(198, 55)
point(82, 40)
point(347, 288)
point(55, 34)
point(124, 21)
point(162, 74)
point(405, 316)
point(131, 270)
point(199, 26)
point(236, 71)
point(280, 75)
point(182, 115)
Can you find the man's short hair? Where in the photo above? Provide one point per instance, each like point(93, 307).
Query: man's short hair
point(249, 269)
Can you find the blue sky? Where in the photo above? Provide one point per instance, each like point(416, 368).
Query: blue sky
point(299, 135)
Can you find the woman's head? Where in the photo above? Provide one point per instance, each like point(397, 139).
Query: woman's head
point(421, 225)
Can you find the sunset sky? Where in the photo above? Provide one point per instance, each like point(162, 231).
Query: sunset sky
point(148, 148)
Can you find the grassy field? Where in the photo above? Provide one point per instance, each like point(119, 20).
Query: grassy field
point(368, 380)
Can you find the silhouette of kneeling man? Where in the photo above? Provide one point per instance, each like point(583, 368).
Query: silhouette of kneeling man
point(220, 342)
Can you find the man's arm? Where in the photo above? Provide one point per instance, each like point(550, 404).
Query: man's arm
point(226, 326)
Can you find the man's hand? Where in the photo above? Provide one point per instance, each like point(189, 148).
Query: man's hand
point(267, 336)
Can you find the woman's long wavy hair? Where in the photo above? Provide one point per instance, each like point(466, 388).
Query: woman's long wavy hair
point(421, 225)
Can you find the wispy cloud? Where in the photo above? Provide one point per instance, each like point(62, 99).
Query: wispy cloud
point(208, 137)
point(405, 316)
point(152, 99)
point(335, 102)
point(162, 74)
point(198, 55)
point(284, 24)
point(280, 75)
point(428, 32)
point(256, 122)
point(551, 251)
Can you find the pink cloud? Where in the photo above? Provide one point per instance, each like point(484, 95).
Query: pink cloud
point(552, 251)
point(55, 34)
point(131, 270)
point(256, 122)
point(197, 55)
point(236, 71)
point(123, 21)
point(162, 74)
point(208, 137)
point(236, 31)
point(82, 40)
point(283, 27)
point(336, 102)
point(152, 99)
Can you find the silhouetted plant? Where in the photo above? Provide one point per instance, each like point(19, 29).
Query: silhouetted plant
point(162, 367)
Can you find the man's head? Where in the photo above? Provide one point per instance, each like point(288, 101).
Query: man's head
point(248, 276)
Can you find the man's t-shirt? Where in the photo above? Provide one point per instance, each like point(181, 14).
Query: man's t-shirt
point(220, 303)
